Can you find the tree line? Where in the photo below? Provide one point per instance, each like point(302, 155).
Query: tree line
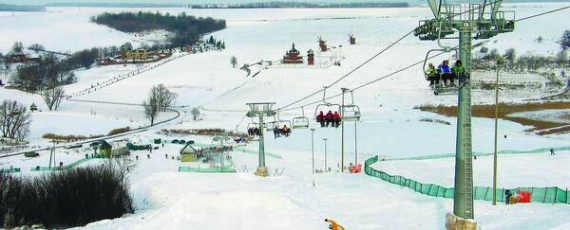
point(485, 59)
point(186, 29)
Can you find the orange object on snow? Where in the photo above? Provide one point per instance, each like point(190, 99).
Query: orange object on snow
point(334, 225)
point(524, 196)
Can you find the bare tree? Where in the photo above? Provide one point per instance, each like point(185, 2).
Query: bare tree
point(36, 47)
point(151, 105)
point(164, 96)
point(195, 113)
point(14, 120)
point(17, 48)
point(53, 97)
point(233, 61)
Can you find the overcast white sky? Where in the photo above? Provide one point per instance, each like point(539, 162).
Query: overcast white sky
point(41, 2)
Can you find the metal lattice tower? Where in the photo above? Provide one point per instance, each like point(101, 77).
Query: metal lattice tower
point(472, 21)
point(261, 109)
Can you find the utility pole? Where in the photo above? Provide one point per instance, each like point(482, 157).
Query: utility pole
point(355, 143)
point(326, 167)
point(313, 148)
point(259, 110)
point(52, 155)
point(344, 90)
point(449, 19)
point(499, 62)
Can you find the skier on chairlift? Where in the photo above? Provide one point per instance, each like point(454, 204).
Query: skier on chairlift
point(321, 118)
point(336, 119)
point(459, 72)
point(433, 78)
point(329, 118)
point(286, 130)
point(276, 131)
point(445, 72)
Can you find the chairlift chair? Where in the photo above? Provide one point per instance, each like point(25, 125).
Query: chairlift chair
point(444, 90)
point(326, 106)
point(350, 112)
point(301, 122)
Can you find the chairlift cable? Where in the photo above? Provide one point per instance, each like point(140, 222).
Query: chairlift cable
point(417, 63)
point(543, 13)
point(369, 60)
point(350, 72)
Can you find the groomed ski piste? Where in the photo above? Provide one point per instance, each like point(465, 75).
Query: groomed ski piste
point(291, 197)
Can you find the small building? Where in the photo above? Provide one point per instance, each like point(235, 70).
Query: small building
point(33, 107)
point(189, 153)
point(311, 57)
point(140, 54)
point(105, 148)
point(293, 56)
point(17, 58)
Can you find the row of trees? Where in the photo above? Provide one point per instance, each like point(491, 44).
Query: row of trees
point(186, 29)
point(486, 59)
point(159, 99)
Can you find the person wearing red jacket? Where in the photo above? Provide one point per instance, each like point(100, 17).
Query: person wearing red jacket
point(336, 119)
point(329, 118)
point(321, 118)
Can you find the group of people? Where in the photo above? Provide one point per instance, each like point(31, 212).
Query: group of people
point(329, 118)
point(253, 131)
point(446, 74)
point(285, 131)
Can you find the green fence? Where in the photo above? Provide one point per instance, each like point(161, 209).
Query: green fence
point(506, 151)
point(10, 170)
point(69, 166)
point(552, 195)
point(226, 169)
point(206, 170)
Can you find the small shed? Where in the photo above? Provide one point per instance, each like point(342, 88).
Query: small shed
point(189, 153)
point(105, 148)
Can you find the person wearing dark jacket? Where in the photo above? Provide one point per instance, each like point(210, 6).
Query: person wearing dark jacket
point(508, 195)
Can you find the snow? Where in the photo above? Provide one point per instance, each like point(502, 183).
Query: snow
point(390, 127)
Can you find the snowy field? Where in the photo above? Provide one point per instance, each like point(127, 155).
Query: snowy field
point(390, 127)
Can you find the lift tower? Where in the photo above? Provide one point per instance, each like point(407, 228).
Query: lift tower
point(261, 109)
point(472, 21)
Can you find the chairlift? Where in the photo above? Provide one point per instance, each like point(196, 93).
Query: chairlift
point(279, 126)
point(325, 106)
point(437, 87)
point(350, 112)
point(253, 129)
point(301, 122)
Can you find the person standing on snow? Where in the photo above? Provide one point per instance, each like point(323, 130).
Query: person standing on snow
point(551, 152)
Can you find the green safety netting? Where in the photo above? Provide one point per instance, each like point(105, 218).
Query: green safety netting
point(506, 151)
point(552, 195)
point(10, 170)
point(226, 169)
point(69, 166)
